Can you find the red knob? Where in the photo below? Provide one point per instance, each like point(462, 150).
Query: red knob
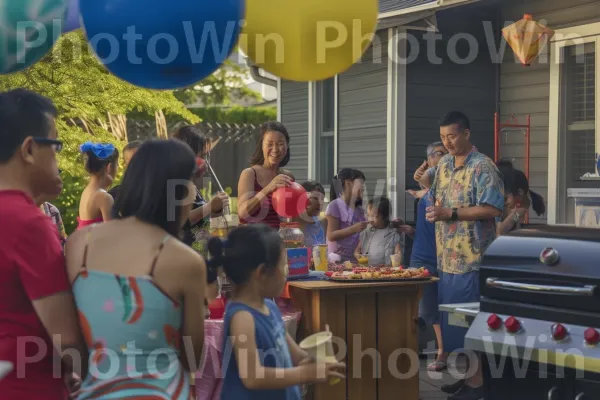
point(512, 325)
point(494, 322)
point(559, 332)
point(592, 337)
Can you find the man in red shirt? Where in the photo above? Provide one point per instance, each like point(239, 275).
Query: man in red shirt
point(39, 329)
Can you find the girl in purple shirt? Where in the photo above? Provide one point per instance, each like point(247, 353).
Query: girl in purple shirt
point(345, 215)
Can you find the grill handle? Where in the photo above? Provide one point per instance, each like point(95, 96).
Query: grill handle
point(587, 290)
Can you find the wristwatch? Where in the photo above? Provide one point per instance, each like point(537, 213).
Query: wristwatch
point(454, 216)
point(516, 217)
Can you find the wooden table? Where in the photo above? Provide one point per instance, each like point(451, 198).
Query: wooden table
point(377, 321)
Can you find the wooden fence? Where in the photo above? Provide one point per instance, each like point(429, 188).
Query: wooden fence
point(232, 146)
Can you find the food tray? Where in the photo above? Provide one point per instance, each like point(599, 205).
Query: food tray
point(419, 278)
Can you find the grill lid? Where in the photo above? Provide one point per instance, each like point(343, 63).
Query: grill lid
point(551, 266)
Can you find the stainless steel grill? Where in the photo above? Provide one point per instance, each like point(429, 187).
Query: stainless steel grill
point(538, 327)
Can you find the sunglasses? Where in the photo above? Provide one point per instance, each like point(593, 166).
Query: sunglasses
point(57, 145)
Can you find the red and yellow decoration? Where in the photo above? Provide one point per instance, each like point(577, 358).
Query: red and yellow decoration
point(527, 38)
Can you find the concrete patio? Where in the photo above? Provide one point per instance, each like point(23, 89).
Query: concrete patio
point(431, 382)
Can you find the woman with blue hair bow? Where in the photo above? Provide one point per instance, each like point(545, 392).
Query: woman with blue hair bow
point(101, 161)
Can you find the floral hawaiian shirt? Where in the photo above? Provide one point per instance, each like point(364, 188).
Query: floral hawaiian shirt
point(52, 212)
point(461, 244)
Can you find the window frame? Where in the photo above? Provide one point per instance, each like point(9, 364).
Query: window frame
point(316, 132)
point(557, 190)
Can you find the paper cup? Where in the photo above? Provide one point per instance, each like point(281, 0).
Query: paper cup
point(320, 348)
point(396, 260)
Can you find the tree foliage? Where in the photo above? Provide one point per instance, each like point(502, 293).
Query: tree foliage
point(236, 115)
point(84, 93)
point(227, 84)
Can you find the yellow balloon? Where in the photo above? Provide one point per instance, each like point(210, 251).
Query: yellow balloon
point(307, 40)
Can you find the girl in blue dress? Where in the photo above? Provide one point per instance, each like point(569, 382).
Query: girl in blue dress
point(265, 363)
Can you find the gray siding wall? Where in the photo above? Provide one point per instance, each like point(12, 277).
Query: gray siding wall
point(294, 115)
point(435, 89)
point(362, 116)
point(526, 90)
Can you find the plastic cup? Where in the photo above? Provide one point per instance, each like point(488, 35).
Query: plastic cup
point(363, 259)
point(319, 347)
point(396, 260)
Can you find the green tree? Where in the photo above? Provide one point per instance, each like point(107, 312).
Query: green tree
point(85, 93)
point(226, 84)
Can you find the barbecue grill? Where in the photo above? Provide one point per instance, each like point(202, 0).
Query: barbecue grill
point(539, 321)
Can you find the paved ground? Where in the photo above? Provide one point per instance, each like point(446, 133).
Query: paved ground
point(431, 382)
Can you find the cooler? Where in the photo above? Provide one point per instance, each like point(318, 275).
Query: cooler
point(587, 207)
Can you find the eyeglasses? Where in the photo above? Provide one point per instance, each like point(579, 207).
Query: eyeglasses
point(437, 153)
point(57, 145)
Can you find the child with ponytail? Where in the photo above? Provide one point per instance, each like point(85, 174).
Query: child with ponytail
point(345, 215)
point(101, 162)
point(266, 362)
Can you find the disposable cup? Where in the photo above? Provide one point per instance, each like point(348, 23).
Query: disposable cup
point(319, 347)
point(396, 260)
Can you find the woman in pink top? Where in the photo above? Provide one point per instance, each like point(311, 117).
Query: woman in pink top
point(345, 215)
point(102, 162)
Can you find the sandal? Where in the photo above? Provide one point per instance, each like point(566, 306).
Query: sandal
point(437, 366)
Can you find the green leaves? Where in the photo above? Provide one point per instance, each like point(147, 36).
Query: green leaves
point(225, 85)
point(84, 92)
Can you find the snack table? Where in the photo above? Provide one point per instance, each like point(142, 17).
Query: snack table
point(372, 320)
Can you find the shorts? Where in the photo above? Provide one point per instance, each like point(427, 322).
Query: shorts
point(453, 289)
point(428, 305)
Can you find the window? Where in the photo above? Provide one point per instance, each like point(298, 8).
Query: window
point(574, 123)
point(325, 154)
point(579, 111)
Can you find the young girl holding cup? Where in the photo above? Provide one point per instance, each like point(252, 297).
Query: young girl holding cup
point(266, 362)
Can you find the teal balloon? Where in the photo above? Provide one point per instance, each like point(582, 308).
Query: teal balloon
point(28, 30)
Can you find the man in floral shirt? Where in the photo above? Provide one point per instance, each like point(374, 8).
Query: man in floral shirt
point(468, 193)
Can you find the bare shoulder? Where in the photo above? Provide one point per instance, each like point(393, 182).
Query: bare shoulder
point(242, 320)
point(77, 240)
point(247, 174)
point(182, 256)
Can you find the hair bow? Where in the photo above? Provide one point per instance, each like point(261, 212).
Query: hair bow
point(100, 150)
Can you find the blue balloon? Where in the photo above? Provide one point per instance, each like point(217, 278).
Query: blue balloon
point(72, 20)
point(162, 44)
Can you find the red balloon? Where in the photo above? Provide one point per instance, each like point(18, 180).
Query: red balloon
point(290, 201)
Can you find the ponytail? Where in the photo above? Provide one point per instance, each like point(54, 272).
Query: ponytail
point(215, 250)
point(337, 184)
point(245, 249)
point(335, 189)
point(537, 203)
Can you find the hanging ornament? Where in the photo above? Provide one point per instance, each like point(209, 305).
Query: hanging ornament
point(527, 38)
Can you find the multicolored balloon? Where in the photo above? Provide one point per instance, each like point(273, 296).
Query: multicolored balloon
point(162, 44)
point(28, 30)
point(308, 40)
point(72, 17)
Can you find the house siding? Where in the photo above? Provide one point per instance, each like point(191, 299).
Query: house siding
point(435, 89)
point(526, 90)
point(362, 116)
point(294, 115)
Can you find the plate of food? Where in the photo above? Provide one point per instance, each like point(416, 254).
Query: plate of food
point(380, 274)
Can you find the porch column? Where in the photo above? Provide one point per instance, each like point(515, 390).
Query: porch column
point(396, 121)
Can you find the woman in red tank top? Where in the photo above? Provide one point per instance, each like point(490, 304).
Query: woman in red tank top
point(265, 175)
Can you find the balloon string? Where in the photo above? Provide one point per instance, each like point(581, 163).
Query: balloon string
point(212, 172)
